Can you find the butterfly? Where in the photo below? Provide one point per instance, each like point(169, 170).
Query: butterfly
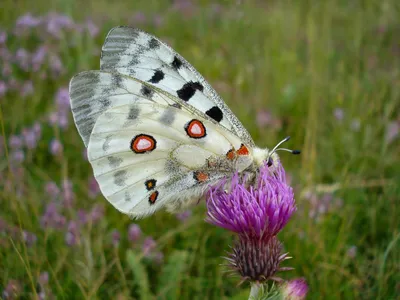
point(157, 134)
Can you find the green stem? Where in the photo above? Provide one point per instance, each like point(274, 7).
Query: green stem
point(254, 292)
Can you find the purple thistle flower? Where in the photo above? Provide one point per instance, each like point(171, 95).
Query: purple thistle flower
point(392, 131)
point(72, 235)
point(260, 211)
point(3, 37)
point(56, 65)
point(92, 28)
point(184, 216)
point(22, 58)
point(15, 142)
point(338, 114)
point(115, 237)
point(82, 216)
point(257, 214)
point(28, 21)
point(149, 244)
point(134, 233)
point(186, 7)
point(12, 290)
point(43, 278)
point(266, 119)
point(352, 252)
point(3, 88)
point(52, 218)
point(96, 213)
point(29, 238)
point(59, 118)
point(94, 188)
point(68, 193)
point(18, 156)
point(30, 137)
point(27, 89)
point(56, 148)
point(56, 22)
point(295, 289)
point(158, 257)
point(37, 129)
point(6, 72)
point(158, 20)
point(52, 189)
point(38, 58)
point(139, 18)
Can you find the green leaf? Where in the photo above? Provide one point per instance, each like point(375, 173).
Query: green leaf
point(140, 274)
point(172, 275)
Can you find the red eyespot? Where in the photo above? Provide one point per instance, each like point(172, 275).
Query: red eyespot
point(243, 150)
point(195, 129)
point(231, 154)
point(200, 176)
point(143, 143)
point(153, 197)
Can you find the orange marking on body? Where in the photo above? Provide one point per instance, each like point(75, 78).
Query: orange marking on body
point(153, 197)
point(200, 176)
point(195, 129)
point(143, 143)
point(243, 150)
point(231, 154)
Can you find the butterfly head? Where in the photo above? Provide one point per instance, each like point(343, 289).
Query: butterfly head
point(270, 156)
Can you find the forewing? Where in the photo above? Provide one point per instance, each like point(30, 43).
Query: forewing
point(161, 157)
point(93, 92)
point(138, 54)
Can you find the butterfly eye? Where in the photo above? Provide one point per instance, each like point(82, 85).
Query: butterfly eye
point(270, 161)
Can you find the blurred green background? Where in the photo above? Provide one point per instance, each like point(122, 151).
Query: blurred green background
point(325, 72)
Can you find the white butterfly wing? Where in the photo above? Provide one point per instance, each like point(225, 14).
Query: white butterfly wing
point(138, 54)
point(150, 160)
point(93, 92)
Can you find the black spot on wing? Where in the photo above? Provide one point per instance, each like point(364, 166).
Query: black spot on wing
point(146, 91)
point(154, 44)
point(106, 144)
point(105, 103)
point(114, 162)
point(176, 63)
point(157, 76)
point(150, 184)
point(168, 116)
point(188, 90)
point(116, 80)
point(133, 113)
point(120, 177)
point(215, 112)
point(127, 197)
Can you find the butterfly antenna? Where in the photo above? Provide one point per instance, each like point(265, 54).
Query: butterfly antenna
point(276, 148)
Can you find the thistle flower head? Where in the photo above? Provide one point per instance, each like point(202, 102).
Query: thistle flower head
point(256, 213)
point(295, 289)
point(259, 211)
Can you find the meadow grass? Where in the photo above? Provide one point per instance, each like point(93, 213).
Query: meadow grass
point(326, 73)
